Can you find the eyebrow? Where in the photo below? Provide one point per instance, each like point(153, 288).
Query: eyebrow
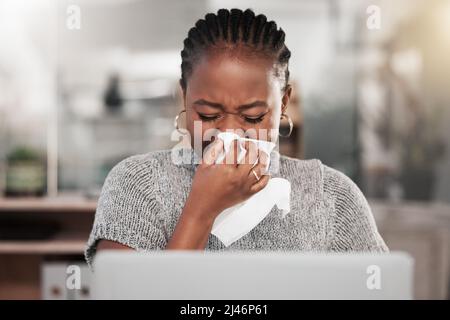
point(203, 102)
point(257, 103)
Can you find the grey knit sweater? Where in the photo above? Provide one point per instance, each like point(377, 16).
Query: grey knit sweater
point(143, 197)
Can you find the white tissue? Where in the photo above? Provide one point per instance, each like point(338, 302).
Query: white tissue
point(235, 222)
point(228, 137)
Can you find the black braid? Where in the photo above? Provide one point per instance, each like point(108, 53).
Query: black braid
point(234, 27)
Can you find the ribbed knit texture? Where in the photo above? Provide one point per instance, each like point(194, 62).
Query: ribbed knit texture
point(143, 197)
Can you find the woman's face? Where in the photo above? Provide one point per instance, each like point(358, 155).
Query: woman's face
point(231, 93)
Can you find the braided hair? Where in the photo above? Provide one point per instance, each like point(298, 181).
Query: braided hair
point(235, 29)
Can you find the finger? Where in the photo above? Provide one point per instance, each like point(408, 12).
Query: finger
point(213, 151)
point(253, 177)
point(264, 160)
point(257, 171)
point(245, 146)
point(232, 154)
point(259, 185)
point(252, 152)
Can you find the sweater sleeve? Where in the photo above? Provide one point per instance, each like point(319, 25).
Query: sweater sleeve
point(126, 212)
point(354, 227)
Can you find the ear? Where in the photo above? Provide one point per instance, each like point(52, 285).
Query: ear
point(286, 98)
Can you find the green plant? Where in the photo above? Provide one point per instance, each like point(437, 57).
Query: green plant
point(23, 154)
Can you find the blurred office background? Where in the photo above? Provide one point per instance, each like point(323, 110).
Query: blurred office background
point(372, 101)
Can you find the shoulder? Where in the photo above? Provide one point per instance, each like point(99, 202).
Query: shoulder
point(149, 161)
point(136, 177)
point(337, 183)
point(129, 207)
point(299, 170)
point(139, 167)
point(306, 178)
point(132, 191)
point(330, 181)
point(343, 192)
point(344, 196)
point(313, 170)
point(354, 227)
point(344, 204)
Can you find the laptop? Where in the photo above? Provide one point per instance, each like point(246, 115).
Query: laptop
point(250, 275)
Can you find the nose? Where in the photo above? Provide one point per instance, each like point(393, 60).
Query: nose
point(231, 122)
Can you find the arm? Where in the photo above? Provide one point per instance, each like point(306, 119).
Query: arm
point(193, 228)
point(215, 188)
point(191, 232)
point(108, 244)
point(122, 220)
point(127, 210)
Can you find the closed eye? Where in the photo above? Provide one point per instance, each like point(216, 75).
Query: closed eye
point(254, 119)
point(208, 117)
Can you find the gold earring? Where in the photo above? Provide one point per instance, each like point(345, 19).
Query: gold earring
point(175, 122)
point(291, 125)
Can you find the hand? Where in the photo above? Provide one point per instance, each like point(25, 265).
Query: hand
point(216, 187)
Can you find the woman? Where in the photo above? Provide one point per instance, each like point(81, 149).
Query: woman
point(234, 75)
